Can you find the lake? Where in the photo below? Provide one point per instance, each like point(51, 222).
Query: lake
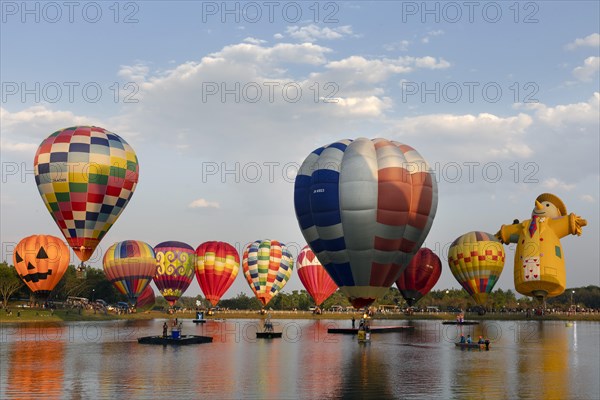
point(527, 359)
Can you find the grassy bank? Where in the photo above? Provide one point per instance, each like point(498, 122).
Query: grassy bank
point(41, 315)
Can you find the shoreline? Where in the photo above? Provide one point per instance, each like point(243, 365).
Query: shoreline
point(42, 315)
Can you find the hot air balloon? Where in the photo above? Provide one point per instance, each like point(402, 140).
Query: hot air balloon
point(315, 279)
point(130, 267)
point(146, 300)
point(267, 267)
point(176, 264)
point(365, 207)
point(86, 175)
point(476, 260)
point(421, 274)
point(217, 265)
point(41, 261)
point(539, 266)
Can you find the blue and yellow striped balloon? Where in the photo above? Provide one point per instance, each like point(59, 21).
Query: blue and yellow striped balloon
point(130, 267)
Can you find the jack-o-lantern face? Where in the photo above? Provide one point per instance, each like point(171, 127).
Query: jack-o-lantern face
point(41, 261)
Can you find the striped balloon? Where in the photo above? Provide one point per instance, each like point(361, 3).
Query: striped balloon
point(315, 279)
point(86, 176)
point(217, 265)
point(476, 260)
point(365, 207)
point(267, 267)
point(176, 263)
point(146, 300)
point(130, 266)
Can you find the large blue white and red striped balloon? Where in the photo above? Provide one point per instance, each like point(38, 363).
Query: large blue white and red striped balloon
point(365, 207)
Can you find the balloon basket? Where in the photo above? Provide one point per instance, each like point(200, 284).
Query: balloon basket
point(81, 273)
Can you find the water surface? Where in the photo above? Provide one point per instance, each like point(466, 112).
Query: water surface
point(527, 359)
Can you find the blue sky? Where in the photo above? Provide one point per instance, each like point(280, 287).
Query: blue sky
point(503, 103)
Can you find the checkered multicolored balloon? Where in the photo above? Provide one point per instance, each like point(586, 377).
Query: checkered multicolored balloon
point(86, 175)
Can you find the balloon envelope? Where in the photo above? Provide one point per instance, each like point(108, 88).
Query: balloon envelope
point(476, 260)
point(146, 300)
point(315, 279)
point(86, 176)
point(130, 266)
point(267, 267)
point(217, 265)
point(365, 207)
point(176, 263)
point(41, 261)
point(421, 274)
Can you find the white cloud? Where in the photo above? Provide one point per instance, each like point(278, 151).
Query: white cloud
point(592, 40)
point(203, 203)
point(252, 40)
point(312, 32)
point(401, 45)
point(587, 198)
point(304, 53)
point(570, 115)
point(557, 184)
point(431, 34)
point(586, 72)
point(24, 130)
point(371, 106)
point(473, 138)
point(278, 36)
point(18, 146)
point(134, 73)
point(377, 70)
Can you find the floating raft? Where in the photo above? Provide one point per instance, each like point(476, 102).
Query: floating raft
point(460, 323)
point(199, 321)
point(471, 346)
point(373, 329)
point(268, 335)
point(182, 340)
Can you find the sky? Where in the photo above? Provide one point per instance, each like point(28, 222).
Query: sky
point(222, 101)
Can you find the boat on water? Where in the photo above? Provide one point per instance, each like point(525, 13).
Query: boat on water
point(268, 335)
point(480, 346)
point(460, 323)
point(199, 321)
point(363, 336)
point(178, 341)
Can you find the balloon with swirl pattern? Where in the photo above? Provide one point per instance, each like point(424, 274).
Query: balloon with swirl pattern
point(176, 263)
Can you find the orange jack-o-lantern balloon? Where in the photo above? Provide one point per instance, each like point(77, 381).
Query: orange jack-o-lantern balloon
point(41, 261)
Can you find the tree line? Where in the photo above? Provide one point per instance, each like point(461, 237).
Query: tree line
point(96, 286)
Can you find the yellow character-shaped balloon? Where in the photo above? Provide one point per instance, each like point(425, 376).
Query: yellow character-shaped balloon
point(539, 268)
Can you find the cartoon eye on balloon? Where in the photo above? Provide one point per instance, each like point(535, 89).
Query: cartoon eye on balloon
point(267, 266)
point(86, 175)
point(41, 261)
point(217, 265)
point(365, 207)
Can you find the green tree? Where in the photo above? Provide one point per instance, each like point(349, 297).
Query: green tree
point(9, 282)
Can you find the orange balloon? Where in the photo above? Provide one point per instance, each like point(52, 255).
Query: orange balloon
point(41, 261)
